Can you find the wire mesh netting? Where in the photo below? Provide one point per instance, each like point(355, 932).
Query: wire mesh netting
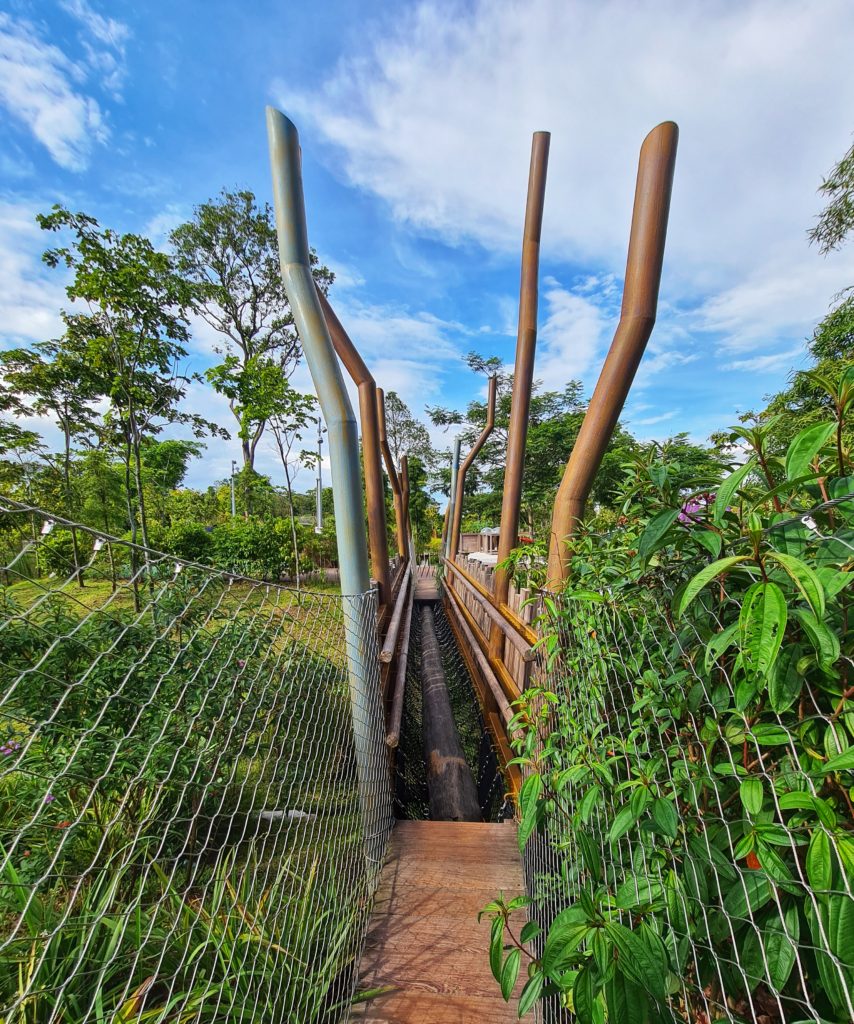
point(411, 790)
point(695, 815)
point(191, 824)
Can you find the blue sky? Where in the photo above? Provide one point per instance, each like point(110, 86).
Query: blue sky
point(416, 121)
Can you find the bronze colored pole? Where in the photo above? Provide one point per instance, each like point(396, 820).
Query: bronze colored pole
point(637, 317)
point(404, 489)
point(526, 345)
point(464, 468)
point(374, 494)
point(393, 478)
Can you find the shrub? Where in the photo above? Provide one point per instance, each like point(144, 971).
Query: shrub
point(190, 540)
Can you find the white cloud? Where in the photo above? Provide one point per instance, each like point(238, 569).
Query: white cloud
point(41, 87)
point(573, 334)
point(436, 120)
point(773, 361)
point(32, 295)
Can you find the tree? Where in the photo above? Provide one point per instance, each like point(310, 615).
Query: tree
point(131, 337)
point(59, 384)
point(293, 415)
point(836, 220)
point(406, 434)
point(229, 254)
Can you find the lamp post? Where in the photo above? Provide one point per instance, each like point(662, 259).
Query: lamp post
point(233, 507)
point(318, 502)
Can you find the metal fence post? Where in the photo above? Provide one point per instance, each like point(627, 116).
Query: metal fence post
point(360, 624)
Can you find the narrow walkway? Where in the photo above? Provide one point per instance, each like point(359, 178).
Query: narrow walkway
point(426, 588)
point(424, 938)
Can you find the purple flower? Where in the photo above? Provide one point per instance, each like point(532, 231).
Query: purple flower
point(694, 507)
point(241, 664)
point(49, 798)
point(10, 747)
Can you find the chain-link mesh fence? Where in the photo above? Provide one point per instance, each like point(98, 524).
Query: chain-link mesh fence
point(190, 825)
point(704, 831)
point(411, 790)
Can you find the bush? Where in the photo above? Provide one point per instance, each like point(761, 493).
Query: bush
point(191, 541)
point(257, 547)
point(690, 764)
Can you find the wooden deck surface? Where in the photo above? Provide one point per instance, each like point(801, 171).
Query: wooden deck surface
point(426, 588)
point(424, 938)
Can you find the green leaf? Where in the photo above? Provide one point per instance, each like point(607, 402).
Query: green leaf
point(752, 795)
point(747, 895)
point(627, 1002)
point(635, 892)
point(530, 930)
point(665, 819)
point(624, 820)
point(510, 972)
point(639, 960)
point(565, 936)
point(529, 807)
point(654, 533)
point(496, 947)
point(719, 643)
point(784, 683)
point(819, 861)
point(706, 575)
point(728, 488)
point(843, 762)
point(805, 446)
point(583, 996)
point(762, 623)
point(824, 640)
point(767, 734)
point(710, 540)
point(588, 802)
point(804, 579)
point(530, 993)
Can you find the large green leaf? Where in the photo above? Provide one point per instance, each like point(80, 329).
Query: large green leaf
point(747, 895)
point(804, 579)
point(655, 531)
point(635, 892)
point(843, 762)
point(805, 446)
point(823, 639)
point(565, 936)
point(530, 993)
point(705, 576)
point(762, 623)
point(626, 817)
point(639, 959)
point(728, 488)
point(529, 807)
point(627, 1002)
point(510, 972)
point(719, 643)
point(752, 795)
point(784, 682)
point(820, 861)
point(665, 819)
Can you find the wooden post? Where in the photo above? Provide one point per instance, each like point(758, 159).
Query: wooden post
point(526, 345)
point(637, 317)
point(374, 494)
point(464, 468)
point(393, 478)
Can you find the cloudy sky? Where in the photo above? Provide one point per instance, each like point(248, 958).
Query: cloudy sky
point(416, 120)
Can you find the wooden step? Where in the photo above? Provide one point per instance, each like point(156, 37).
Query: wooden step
point(424, 941)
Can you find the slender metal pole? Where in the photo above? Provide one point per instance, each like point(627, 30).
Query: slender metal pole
point(371, 458)
point(404, 494)
point(452, 498)
point(359, 613)
point(318, 498)
point(637, 317)
point(233, 504)
point(454, 544)
point(393, 478)
point(523, 376)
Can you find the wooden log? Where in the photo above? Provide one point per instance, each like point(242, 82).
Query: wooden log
point(387, 653)
point(396, 717)
point(451, 788)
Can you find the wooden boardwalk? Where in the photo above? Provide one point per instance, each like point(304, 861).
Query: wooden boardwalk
point(426, 588)
point(424, 939)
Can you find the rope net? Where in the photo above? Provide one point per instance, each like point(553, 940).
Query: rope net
point(194, 799)
point(699, 819)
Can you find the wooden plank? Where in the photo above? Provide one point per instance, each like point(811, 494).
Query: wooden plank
point(424, 941)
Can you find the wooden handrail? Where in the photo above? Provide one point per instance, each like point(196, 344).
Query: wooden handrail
point(387, 653)
point(522, 628)
point(508, 683)
point(396, 716)
point(485, 668)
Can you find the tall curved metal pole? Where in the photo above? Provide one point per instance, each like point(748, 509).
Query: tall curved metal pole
point(360, 627)
point(464, 468)
point(523, 375)
point(637, 317)
point(405, 495)
point(393, 478)
point(371, 458)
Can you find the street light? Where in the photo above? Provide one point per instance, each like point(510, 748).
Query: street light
point(318, 503)
point(233, 509)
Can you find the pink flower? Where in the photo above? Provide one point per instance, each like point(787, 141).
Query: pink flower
point(49, 798)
